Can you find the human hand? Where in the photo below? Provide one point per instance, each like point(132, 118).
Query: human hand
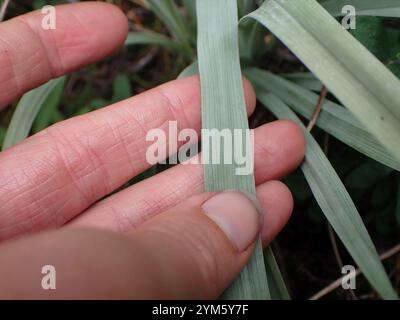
point(160, 238)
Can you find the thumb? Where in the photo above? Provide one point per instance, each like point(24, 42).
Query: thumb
point(196, 250)
point(192, 251)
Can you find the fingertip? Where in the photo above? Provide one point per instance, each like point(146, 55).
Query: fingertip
point(87, 32)
point(277, 203)
point(116, 16)
point(294, 131)
point(109, 22)
point(279, 149)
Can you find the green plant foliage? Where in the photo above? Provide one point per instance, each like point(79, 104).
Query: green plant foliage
point(153, 38)
point(335, 57)
point(27, 110)
point(336, 203)
point(367, 175)
point(169, 13)
point(333, 118)
point(223, 106)
point(385, 8)
point(362, 110)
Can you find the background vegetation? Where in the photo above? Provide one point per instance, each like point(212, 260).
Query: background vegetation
point(309, 255)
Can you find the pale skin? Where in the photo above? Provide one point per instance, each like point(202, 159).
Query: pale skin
point(151, 240)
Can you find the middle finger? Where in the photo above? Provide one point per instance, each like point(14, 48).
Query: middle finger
point(279, 149)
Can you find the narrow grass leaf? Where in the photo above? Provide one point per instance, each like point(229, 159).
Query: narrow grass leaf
point(168, 12)
point(151, 38)
point(397, 213)
point(384, 8)
point(276, 284)
point(3, 132)
point(49, 112)
point(251, 41)
point(336, 203)
point(26, 111)
point(245, 7)
point(371, 93)
point(334, 119)
point(223, 107)
point(305, 79)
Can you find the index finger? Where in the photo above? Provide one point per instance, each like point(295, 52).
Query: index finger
point(30, 55)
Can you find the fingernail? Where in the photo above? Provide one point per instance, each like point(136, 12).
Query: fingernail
point(236, 215)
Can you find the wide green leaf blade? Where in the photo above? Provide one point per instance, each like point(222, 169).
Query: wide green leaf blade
point(336, 203)
point(168, 12)
point(384, 8)
point(26, 111)
point(371, 93)
point(152, 38)
point(333, 118)
point(223, 107)
point(276, 284)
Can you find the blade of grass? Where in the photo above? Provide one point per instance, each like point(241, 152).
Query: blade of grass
point(223, 106)
point(276, 283)
point(49, 112)
point(251, 41)
point(168, 12)
point(26, 111)
point(245, 7)
point(333, 118)
point(3, 9)
point(372, 94)
point(384, 8)
point(190, 70)
point(152, 38)
point(397, 213)
point(3, 132)
point(336, 203)
point(305, 79)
